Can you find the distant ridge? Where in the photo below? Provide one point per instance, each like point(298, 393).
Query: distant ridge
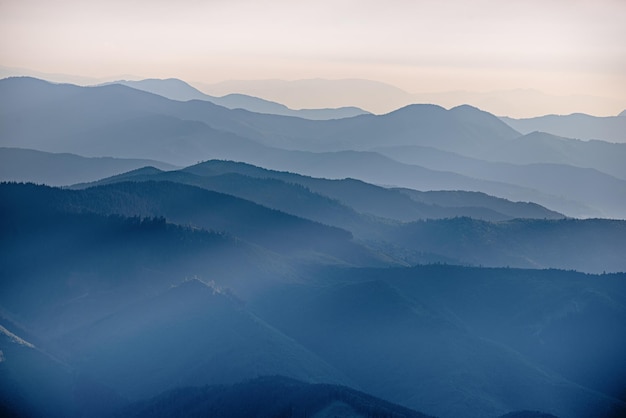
point(348, 204)
point(576, 125)
point(371, 95)
point(175, 89)
point(120, 121)
point(379, 97)
point(64, 169)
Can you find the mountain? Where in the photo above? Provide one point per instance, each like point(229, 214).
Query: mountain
point(333, 202)
point(199, 208)
point(539, 147)
point(383, 98)
point(584, 245)
point(190, 291)
point(153, 338)
point(527, 414)
point(122, 122)
point(110, 120)
point(25, 165)
point(142, 305)
point(33, 383)
point(171, 88)
point(373, 96)
point(538, 243)
point(414, 124)
point(269, 396)
point(595, 188)
point(477, 205)
point(576, 125)
point(103, 113)
point(423, 348)
point(519, 243)
point(21, 392)
point(523, 103)
point(363, 197)
point(375, 168)
point(6, 72)
point(95, 264)
point(176, 89)
point(276, 194)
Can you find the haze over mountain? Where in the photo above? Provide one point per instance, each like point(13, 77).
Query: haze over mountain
point(26, 165)
point(208, 220)
point(407, 334)
point(374, 252)
point(115, 120)
point(273, 94)
point(383, 98)
point(574, 183)
point(179, 90)
point(576, 125)
point(346, 204)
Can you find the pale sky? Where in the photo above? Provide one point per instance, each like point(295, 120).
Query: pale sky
point(560, 47)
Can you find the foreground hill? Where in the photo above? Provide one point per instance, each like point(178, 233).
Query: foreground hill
point(35, 384)
point(116, 299)
point(192, 334)
point(454, 341)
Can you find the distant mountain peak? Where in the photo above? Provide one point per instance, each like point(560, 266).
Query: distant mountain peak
point(417, 107)
point(466, 108)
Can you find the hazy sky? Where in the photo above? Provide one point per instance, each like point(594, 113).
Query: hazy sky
point(560, 46)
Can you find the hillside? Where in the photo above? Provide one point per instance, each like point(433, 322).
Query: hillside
point(230, 344)
point(179, 305)
point(269, 397)
point(477, 338)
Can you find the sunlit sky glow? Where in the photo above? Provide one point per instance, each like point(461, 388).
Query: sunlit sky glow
point(559, 47)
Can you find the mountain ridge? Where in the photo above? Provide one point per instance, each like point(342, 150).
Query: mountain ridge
point(64, 169)
point(575, 125)
point(176, 89)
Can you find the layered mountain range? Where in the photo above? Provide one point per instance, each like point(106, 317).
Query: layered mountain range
point(161, 256)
